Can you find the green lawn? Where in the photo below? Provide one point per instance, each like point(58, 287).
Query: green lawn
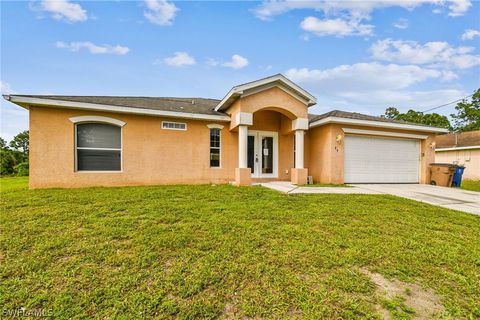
point(473, 185)
point(221, 251)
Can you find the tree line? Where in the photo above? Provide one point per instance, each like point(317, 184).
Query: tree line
point(14, 155)
point(466, 118)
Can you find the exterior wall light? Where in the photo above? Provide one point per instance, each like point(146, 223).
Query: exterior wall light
point(339, 138)
point(432, 145)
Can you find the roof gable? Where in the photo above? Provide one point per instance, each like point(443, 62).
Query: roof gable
point(278, 80)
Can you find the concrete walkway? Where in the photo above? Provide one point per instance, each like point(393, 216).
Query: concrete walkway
point(451, 198)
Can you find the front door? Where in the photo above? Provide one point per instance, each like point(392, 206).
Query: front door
point(263, 154)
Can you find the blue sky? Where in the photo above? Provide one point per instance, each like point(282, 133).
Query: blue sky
point(352, 55)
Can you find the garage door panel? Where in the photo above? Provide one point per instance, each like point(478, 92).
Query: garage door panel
point(381, 160)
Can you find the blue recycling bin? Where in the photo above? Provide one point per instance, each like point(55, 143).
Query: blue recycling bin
point(457, 176)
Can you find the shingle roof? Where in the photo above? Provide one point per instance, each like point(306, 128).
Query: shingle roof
point(188, 105)
point(464, 139)
point(358, 116)
point(192, 105)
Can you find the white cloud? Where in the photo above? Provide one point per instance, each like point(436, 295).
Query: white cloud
point(5, 88)
point(364, 77)
point(212, 62)
point(161, 12)
point(458, 7)
point(180, 59)
point(372, 86)
point(401, 23)
point(355, 9)
point(347, 18)
point(437, 52)
point(92, 48)
point(375, 102)
point(237, 62)
point(64, 10)
point(469, 34)
point(335, 27)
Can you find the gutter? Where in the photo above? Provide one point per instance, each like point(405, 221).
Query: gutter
point(457, 148)
point(110, 108)
point(379, 124)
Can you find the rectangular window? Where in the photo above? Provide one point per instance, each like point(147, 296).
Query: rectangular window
point(174, 125)
point(98, 147)
point(214, 147)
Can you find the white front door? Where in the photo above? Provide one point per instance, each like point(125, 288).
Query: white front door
point(263, 154)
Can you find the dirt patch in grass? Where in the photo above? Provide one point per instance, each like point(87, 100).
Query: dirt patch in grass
point(405, 300)
point(229, 311)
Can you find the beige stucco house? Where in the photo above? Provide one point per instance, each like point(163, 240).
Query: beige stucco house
point(260, 131)
point(460, 148)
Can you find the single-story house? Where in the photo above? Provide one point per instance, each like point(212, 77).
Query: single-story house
point(260, 131)
point(460, 148)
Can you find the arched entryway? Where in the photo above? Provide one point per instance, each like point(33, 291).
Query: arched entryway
point(276, 95)
point(271, 146)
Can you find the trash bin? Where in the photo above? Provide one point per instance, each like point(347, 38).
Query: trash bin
point(442, 174)
point(457, 176)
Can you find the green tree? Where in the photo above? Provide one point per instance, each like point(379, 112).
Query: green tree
point(7, 162)
point(21, 142)
point(3, 144)
point(431, 119)
point(14, 161)
point(467, 117)
point(391, 113)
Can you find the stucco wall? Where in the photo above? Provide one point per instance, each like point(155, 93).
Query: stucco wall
point(151, 155)
point(326, 156)
point(469, 158)
point(273, 99)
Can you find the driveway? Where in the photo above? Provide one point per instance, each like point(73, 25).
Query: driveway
point(451, 198)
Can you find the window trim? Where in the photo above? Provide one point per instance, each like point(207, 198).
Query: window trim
point(215, 126)
point(97, 119)
point(210, 128)
point(175, 129)
point(88, 148)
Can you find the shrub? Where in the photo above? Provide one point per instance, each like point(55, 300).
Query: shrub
point(21, 169)
point(7, 162)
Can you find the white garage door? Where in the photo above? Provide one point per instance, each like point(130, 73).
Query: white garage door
point(381, 160)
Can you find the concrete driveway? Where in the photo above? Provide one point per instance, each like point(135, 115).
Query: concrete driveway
point(451, 198)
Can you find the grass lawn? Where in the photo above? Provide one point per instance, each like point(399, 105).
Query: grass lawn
point(221, 251)
point(473, 185)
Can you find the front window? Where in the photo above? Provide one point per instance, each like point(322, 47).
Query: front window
point(98, 147)
point(214, 147)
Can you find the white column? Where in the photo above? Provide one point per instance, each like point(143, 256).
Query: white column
point(242, 146)
point(299, 149)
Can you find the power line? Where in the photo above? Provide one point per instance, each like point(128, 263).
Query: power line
point(446, 104)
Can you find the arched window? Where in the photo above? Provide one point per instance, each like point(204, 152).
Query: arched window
point(98, 147)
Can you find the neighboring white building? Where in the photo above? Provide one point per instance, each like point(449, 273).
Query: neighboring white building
point(460, 148)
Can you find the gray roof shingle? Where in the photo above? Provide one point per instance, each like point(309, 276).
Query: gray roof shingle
point(193, 105)
point(359, 116)
point(464, 139)
point(188, 105)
